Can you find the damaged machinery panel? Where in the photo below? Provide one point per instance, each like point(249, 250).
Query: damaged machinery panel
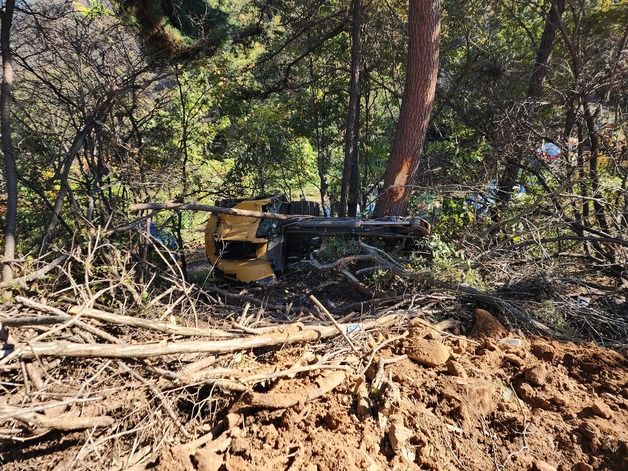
point(254, 249)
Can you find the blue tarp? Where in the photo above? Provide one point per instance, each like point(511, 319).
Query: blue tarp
point(162, 236)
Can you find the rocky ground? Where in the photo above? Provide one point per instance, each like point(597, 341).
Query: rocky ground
point(433, 400)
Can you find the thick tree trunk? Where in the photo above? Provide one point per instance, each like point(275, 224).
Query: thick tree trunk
point(8, 151)
point(420, 87)
point(350, 175)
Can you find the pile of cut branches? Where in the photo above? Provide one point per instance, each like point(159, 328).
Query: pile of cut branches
point(106, 360)
point(124, 366)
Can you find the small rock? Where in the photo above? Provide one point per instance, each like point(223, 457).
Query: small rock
point(512, 359)
point(363, 406)
point(402, 463)
point(559, 401)
point(428, 352)
point(540, 465)
point(455, 369)
point(460, 345)
point(271, 432)
point(433, 335)
point(537, 375)
point(485, 325)
point(543, 352)
point(582, 466)
point(601, 409)
point(425, 455)
point(509, 344)
point(532, 397)
point(398, 433)
point(589, 430)
point(331, 421)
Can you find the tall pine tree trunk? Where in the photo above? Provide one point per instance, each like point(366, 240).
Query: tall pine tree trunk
point(416, 105)
point(8, 151)
point(350, 174)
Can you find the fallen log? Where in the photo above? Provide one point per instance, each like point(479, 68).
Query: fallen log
point(64, 422)
point(288, 335)
point(158, 326)
point(207, 208)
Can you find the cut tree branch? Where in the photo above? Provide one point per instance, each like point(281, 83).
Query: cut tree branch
point(207, 208)
point(290, 335)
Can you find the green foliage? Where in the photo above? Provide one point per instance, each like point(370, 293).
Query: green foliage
point(335, 248)
point(237, 98)
point(93, 9)
point(178, 29)
point(270, 158)
point(453, 218)
point(447, 263)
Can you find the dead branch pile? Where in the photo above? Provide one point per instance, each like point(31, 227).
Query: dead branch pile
point(125, 360)
point(126, 366)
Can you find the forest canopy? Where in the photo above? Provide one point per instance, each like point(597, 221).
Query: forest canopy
point(115, 103)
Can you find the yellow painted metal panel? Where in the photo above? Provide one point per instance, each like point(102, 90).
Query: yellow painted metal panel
point(239, 228)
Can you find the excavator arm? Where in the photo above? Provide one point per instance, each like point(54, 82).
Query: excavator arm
point(252, 240)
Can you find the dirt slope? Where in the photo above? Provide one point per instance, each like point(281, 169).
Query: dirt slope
point(452, 404)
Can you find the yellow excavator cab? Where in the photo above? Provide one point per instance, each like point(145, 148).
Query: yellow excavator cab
point(234, 247)
point(257, 249)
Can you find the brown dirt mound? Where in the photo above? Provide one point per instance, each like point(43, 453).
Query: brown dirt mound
point(427, 400)
point(544, 405)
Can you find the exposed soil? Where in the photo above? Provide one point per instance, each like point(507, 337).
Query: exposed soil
point(478, 403)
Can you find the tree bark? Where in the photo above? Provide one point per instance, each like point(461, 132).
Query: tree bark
point(544, 51)
point(416, 105)
point(10, 168)
point(350, 175)
point(594, 144)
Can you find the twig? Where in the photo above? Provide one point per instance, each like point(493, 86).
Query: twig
point(43, 271)
point(379, 347)
point(160, 396)
point(126, 320)
point(442, 332)
point(63, 422)
point(331, 318)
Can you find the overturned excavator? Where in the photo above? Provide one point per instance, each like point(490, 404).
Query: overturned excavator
point(260, 246)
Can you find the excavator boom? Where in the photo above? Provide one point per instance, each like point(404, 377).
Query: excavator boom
point(250, 249)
